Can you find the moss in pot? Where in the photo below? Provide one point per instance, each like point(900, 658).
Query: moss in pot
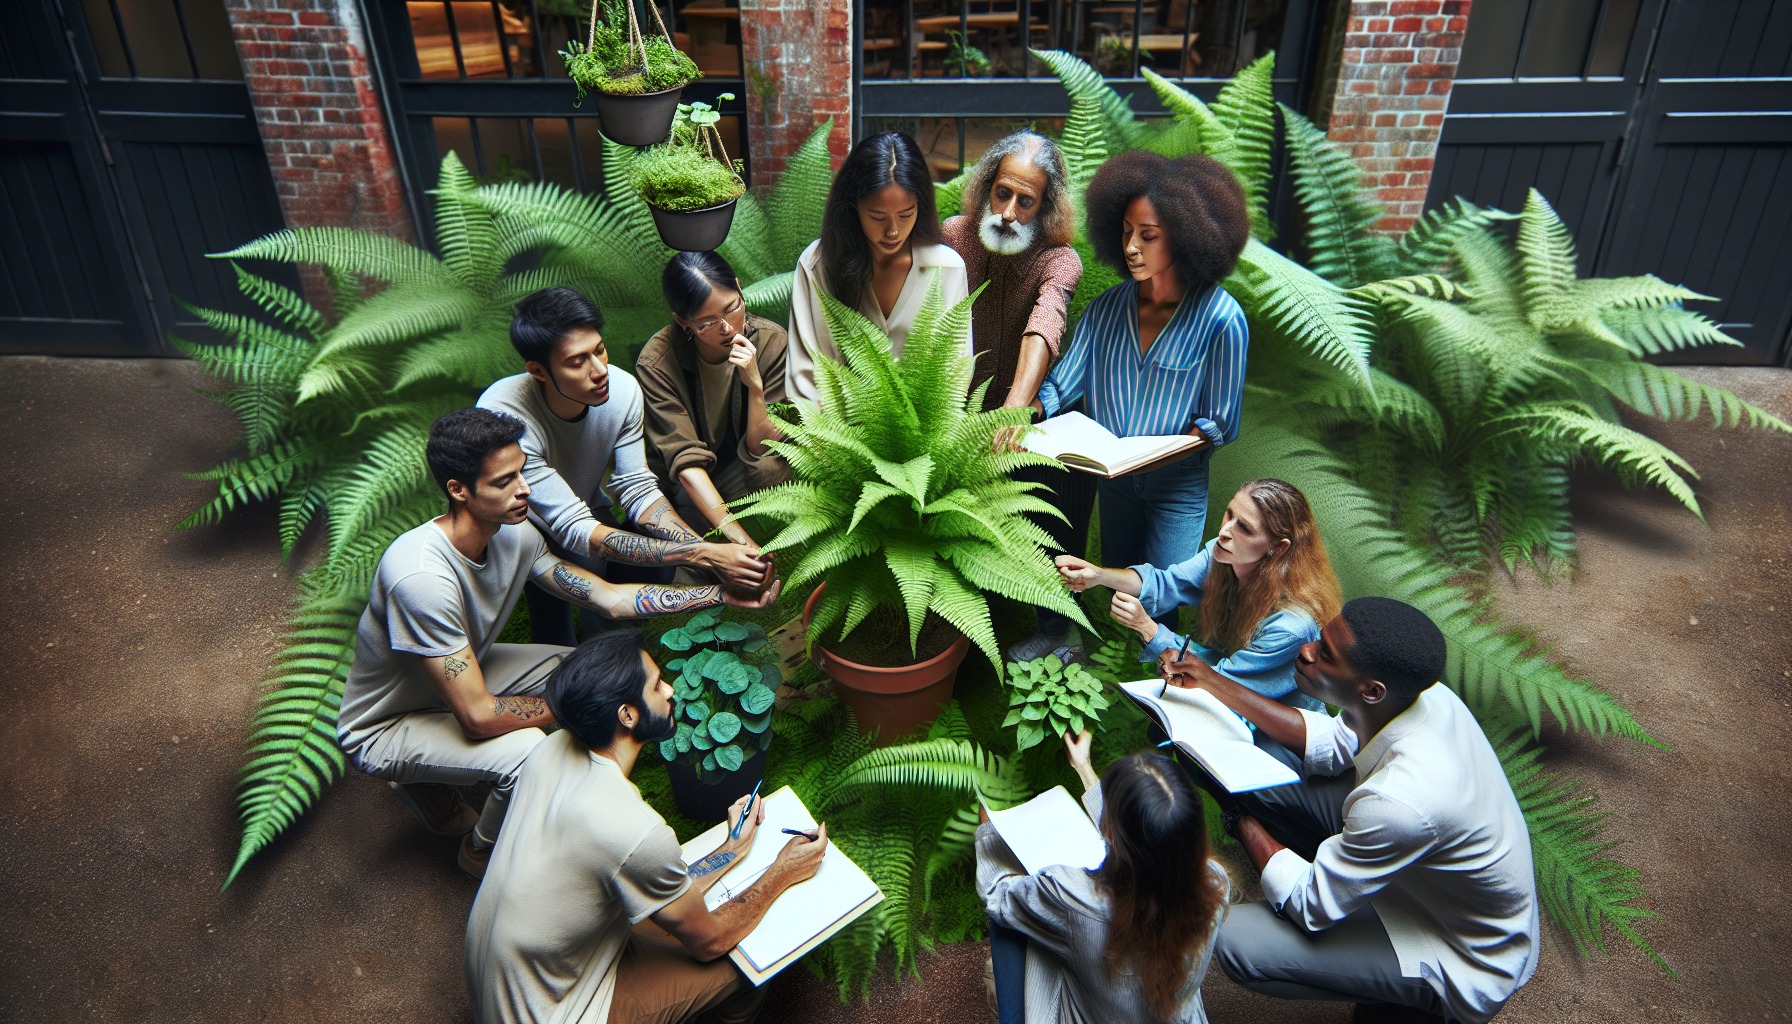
point(618, 60)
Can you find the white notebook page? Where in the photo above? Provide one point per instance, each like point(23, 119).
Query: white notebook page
point(804, 910)
point(1212, 734)
point(1052, 828)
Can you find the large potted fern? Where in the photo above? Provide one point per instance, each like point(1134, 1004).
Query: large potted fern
point(688, 182)
point(635, 80)
point(900, 506)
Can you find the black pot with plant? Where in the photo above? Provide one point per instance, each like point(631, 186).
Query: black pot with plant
point(688, 182)
point(722, 700)
point(635, 80)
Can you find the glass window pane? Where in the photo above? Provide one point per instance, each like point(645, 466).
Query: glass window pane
point(152, 31)
point(105, 39)
point(1490, 49)
point(1613, 46)
point(1556, 43)
point(883, 52)
point(455, 135)
point(555, 142)
point(519, 38)
point(480, 52)
point(208, 28)
point(709, 31)
point(560, 20)
point(504, 144)
point(434, 43)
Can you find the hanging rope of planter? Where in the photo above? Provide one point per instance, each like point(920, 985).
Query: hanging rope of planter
point(636, 84)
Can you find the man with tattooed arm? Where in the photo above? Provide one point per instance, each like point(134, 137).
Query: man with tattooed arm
point(588, 913)
point(433, 701)
point(585, 437)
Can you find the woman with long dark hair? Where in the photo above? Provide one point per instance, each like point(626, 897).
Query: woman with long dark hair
point(706, 381)
point(1163, 351)
point(1264, 587)
point(1131, 940)
point(879, 253)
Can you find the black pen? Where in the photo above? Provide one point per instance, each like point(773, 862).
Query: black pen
point(811, 836)
point(1183, 654)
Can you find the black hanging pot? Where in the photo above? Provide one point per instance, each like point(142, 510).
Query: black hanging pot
point(709, 801)
point(638, 120)
point(695, 230)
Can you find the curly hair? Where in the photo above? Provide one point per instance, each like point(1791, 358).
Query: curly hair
point(1201, 205)
point(1057, 212)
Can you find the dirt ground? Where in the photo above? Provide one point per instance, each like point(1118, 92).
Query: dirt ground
point(136, 651)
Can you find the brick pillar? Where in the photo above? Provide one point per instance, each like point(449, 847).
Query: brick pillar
point(321, 123)
point(798, 57)
point(1393, 86)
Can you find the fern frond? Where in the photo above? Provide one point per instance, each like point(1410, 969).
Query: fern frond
point(1329, 184)
point(346, 251)
point(1662, 393)
point(241, 481)
point(1246, 105)
point(1121, 130)
point(293, 752)
point(1307, 310)
point(1546, 252)
point(1650, 332)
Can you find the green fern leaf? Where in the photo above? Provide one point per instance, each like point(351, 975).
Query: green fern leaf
point(1342, 247)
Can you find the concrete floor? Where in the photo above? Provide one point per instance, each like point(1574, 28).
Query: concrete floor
point(137, 651)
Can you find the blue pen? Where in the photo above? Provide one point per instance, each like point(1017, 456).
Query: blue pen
point(742, 823)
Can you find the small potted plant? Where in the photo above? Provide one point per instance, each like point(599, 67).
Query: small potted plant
point(722, 699)
point(901, 504)
point(688, 182)
point(636, 81)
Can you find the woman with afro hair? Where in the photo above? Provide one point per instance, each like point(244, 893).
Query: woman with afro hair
point(1163, 351)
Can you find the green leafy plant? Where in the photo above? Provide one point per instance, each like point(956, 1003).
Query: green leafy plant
point(1051, 698)
point(724, 692)
point(691, 170)
point(617, 59)
point(964, 60)
point(896, 498)
point(907, 814)
point(336, 405)
point(1496, 367)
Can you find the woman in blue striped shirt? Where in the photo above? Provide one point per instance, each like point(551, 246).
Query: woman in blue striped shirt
point(1162, 352)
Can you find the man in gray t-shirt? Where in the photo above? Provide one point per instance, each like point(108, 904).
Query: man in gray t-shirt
point(585, 438)
point(432, 699)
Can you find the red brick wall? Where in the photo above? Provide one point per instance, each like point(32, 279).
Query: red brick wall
point(798, 57)
point(1393, 87)
point(319, 115)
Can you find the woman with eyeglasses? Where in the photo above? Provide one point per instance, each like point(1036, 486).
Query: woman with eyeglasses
point(707, 380)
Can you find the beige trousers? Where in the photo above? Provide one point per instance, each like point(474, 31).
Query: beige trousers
point(658, 981)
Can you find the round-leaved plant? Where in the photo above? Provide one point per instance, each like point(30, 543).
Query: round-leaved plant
point(722, 692)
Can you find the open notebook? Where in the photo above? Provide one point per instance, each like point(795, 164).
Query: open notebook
point(1052, 828)
point(1212, 734)
point(808, 913)
point(1081, 443)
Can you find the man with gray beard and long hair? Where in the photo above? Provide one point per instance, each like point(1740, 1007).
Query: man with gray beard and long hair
point(1015, 234)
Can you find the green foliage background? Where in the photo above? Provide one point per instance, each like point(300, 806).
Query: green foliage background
point(1428, 393)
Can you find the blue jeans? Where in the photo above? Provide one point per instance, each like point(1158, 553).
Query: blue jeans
point(1157, 518)
point(1008, 952)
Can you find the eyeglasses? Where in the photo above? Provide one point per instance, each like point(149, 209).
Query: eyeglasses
point(728, 314)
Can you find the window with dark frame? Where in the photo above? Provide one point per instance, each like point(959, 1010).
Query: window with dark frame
point(954, 73)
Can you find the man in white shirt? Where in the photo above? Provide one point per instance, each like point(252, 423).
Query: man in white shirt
point(560, 930)
point(584, 448)
point(1398, 873)
point(433, 701)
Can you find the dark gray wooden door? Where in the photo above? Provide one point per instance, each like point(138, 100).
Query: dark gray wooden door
point(1659, 129)
point(128, 151)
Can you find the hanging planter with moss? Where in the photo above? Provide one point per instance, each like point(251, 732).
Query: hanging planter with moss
point(688, 182)
point(635, 81)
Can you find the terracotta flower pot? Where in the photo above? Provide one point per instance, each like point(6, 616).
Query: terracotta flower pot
point(709, 801)
point(639, 120)
point(895, 701)
point(694, 230)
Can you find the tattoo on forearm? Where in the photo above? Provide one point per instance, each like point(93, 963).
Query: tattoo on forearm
point(452, 666)
point(574, 584)
point(663, 522)
point(653, 599)
point(712, 863)
point(521, 707)
point(637, 550)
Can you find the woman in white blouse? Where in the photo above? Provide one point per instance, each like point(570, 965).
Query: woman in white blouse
point(880, 251)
